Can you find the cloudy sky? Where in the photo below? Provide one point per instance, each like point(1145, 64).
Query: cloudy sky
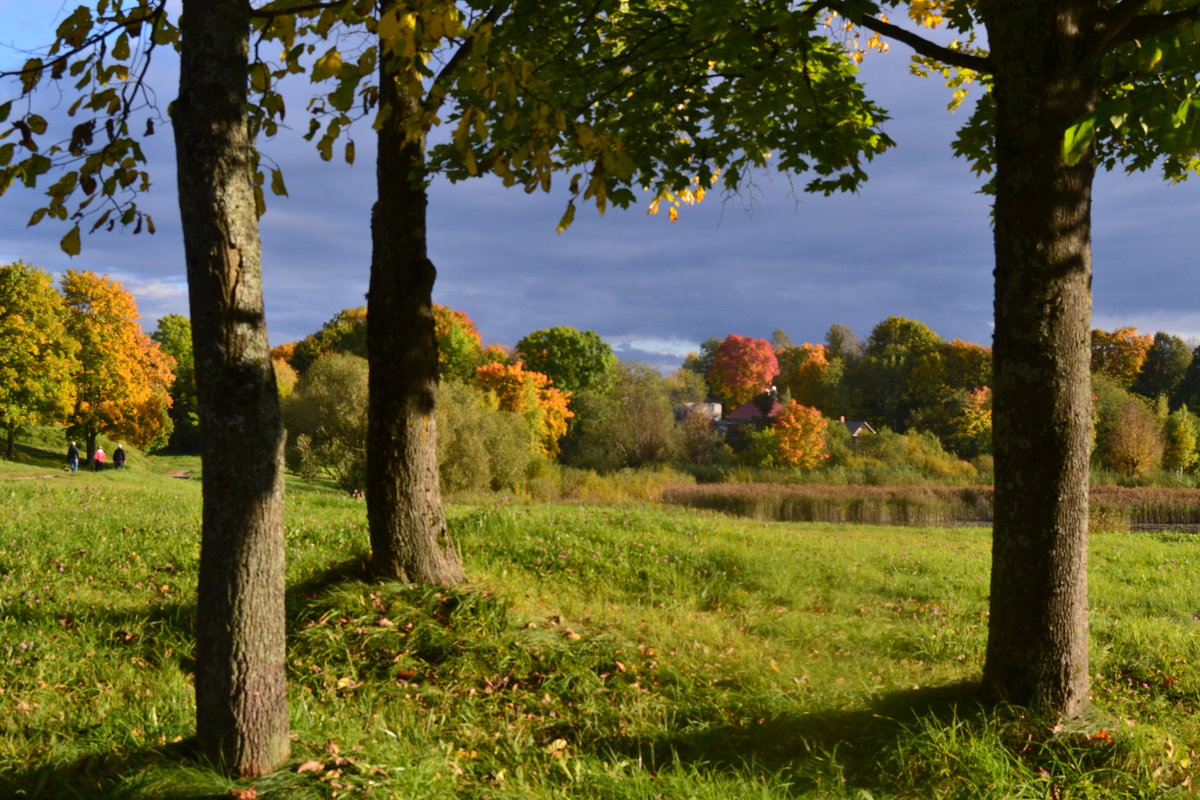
point(914, 242)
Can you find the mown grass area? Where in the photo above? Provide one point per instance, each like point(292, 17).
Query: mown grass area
point(606, 651)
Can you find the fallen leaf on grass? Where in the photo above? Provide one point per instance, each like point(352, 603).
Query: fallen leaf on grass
point(311, 766)
point(244, 794)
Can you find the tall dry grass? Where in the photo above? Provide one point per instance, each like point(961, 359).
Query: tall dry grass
point(1113, 508)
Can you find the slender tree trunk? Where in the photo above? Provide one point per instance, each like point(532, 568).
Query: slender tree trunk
point(1045, 80)
point(241, 695)
point(10, 448)
point(409, 537)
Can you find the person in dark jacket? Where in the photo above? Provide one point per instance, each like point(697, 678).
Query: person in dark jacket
point(73, 457)
point(119, 457)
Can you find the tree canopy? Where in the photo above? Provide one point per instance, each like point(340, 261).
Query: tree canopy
point(37, 355)
point(123, 377)
point(573, 360)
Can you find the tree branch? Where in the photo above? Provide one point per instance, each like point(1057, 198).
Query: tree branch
point(437, 89)
point(1123, 24)
point(923, 46)
point(270, 11)
point(90, 41)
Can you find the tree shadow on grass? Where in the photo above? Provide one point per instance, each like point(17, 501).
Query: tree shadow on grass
point(849, 747)
point(160, 636)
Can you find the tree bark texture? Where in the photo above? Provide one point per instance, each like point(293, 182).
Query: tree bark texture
point(409, 537)
point(241, 693)
point(1045, 80)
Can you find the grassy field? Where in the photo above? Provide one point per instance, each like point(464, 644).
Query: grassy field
point(620, 651)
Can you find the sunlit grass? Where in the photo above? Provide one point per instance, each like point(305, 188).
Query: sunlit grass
point(600, 651)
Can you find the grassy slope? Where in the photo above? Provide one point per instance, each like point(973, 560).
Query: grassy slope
point(601, 652)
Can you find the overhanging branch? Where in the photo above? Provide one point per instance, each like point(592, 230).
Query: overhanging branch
point(955, 58)
point(1123, 24)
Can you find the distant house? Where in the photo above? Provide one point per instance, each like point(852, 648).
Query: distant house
point(711, 411)
point(750, 413)
point(857, 427)
point(750, 410)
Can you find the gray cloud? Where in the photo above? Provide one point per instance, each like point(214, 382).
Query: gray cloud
point(914, 242)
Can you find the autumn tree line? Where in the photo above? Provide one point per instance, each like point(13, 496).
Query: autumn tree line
point(560, 395)
point(75, 355)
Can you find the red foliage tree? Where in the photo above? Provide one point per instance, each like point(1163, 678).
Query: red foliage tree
point(741, 368)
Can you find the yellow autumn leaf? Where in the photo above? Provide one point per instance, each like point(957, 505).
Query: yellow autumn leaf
point(328, 65)
point(567, 218)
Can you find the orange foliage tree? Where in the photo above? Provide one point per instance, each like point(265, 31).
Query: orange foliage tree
point(800, 432)
point(531, 395)
point(741, 368)
point(1120, 353)
point(124, 378)
point(802, 371)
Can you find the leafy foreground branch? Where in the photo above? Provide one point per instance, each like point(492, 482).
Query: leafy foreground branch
point(662, 653)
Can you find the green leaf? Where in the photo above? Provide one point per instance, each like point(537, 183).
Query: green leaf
point(70, 242)
point(1077, 139)
point(1181, 114)
point(277, 185)
point(121, 47)
point(31, 75)
point(260, 77)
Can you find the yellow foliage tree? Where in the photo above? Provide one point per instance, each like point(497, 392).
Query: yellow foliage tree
point(123, 379)
point(36, 354)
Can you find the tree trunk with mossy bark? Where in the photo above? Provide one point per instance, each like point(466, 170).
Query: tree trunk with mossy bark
point(1046, 78)
point(241, 693)
point(409, 537)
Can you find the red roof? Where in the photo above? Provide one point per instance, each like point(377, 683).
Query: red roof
point(750, 410)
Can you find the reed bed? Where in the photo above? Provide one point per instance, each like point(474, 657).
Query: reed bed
point(875, 505)
point(1113, 508)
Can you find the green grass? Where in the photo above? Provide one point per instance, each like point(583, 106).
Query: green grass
point(615, 651)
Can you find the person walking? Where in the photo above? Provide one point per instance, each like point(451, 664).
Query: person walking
point(98, 459)
point(119, 457)
point(73, 457)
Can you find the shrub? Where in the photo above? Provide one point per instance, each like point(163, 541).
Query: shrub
point(628, 425)
point(326, 420)
point(480, 446)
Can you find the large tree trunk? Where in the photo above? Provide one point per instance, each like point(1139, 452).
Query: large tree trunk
point(409, 538)
point(241, 695)
point(1045, 79)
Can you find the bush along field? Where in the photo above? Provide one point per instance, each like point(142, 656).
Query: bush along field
point(600, 651)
